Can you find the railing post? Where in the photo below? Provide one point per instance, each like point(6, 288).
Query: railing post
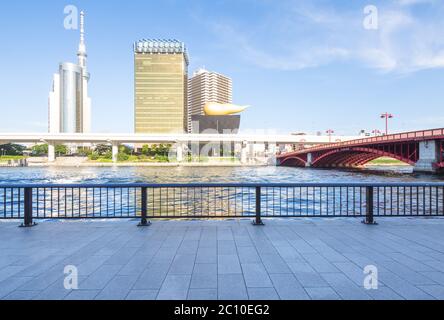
point(144, 222)
point(258, 220)
point(369, 197)
point(27, 223)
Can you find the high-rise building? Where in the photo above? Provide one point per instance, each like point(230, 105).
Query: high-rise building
point(160, 84)
point(205, 87)
point(69, 104)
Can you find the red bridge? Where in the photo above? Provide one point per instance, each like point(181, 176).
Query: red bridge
point(422, 149)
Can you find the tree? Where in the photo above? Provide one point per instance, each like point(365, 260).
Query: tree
point(40, 149)
point(146, 150)
point(12, 149)
point(122, 156)
point(103, 149)
point(126, 149)
point(61, 150)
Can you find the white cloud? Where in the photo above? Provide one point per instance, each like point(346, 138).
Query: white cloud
point(306, 35)
point(413, 2)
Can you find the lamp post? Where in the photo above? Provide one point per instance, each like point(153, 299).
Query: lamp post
point(386, 116)
point(329, 133)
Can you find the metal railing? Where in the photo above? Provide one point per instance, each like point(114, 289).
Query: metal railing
point(205, 201)
point(396, 137)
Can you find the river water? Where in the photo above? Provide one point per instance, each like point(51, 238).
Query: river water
point(66, 175)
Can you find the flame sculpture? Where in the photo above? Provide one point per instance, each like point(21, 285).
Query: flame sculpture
point(222, 109)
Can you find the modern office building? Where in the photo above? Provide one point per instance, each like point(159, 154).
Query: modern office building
point(69, 104)
point(205, 87)
point(160, 84)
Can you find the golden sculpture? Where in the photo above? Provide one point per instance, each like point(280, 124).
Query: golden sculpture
point(222, 109)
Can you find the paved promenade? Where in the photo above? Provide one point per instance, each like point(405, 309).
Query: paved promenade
point(286, 259)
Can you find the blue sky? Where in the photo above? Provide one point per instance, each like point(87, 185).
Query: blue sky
point(302, 65)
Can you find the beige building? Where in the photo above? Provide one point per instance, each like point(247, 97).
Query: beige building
point(160, 84)
point(204, 87)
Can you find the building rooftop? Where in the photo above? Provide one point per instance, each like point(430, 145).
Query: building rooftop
point(230, 259)
point(159, 46)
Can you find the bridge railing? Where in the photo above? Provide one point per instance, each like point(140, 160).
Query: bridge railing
point(415, 135)
point(206, 201)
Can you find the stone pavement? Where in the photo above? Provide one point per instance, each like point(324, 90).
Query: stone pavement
point(286, 259)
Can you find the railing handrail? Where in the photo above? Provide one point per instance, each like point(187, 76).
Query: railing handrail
point(430, 133)
point(224, 185)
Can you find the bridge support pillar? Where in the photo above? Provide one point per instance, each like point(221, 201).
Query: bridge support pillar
point(271, 153)
point(179, 152)
point(309, 160)
point(244, 153)
point(51, 152)
point(115, 151)
point(428, 156)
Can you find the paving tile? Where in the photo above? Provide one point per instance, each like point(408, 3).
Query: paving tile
point(82, 295)
point(287, 287)
point(175, 287)
point(204, 276)
point(202, 294)
point(256, 275)
point(228, 264)
point(22, 295)
point(142, 295)
point(306, 275)
point(206, 255)
point(275, 264)
point(183, 264)
point(402, 287)
point(319, 263)
point(262, 294)
point(322, 293)
point(100, 278)
point(152, 277)
point(136, 265)
point(117, 288)
point(232, 287)
point(248, 255)
point(345, 287)
point(436, 291)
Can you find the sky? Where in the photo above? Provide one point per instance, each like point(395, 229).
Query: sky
point(302, 66)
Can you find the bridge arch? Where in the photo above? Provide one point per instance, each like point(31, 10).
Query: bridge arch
point(293, 161)
point(356, 156)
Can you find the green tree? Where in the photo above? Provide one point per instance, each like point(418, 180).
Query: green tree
point(103, 149)
point(122, 156)
point(40, 149)
point(146, 150)
point(61, 150)
point(126, 149)
point(12, 149)
point(94, 156)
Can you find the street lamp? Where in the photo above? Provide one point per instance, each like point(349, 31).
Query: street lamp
point(386, 116)
point(329, 133)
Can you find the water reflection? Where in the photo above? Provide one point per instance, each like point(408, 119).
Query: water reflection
point(206, 174)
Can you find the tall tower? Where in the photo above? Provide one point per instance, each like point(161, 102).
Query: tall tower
point(160, 86)
point(205, 87)
point(69, 104)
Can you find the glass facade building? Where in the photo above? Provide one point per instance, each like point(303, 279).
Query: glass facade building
point(160, 84)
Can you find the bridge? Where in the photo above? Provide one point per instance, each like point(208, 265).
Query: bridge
point(422, 149)
point(180, 142)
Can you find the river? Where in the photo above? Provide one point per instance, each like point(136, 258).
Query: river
point(62, 175)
